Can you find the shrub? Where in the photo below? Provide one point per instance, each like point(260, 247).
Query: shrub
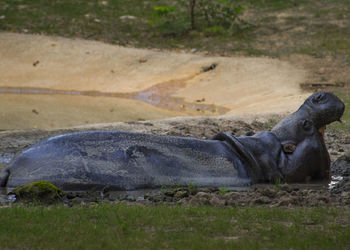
point(211, 16)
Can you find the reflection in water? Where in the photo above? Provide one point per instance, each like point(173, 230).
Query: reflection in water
point(334, 181)
point(6, 199)
point(5, 159)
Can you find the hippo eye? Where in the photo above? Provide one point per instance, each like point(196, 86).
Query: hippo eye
point(319, 98)
point(307, 125)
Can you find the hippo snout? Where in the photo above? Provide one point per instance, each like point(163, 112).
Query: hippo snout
point(341, 109)
point(323, 108)
point(333, 114)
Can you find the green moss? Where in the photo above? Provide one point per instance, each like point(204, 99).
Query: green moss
point(39, 191)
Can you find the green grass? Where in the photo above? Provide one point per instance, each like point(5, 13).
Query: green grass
point(81, 18)
point(132, 227)
point(100, 20)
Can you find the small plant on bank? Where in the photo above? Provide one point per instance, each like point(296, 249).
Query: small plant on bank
point(192, 188)
point(220, 15)
point(212, 17)
point(270, 124)
point(168, 19)
point(223, 191)
point(277, 181)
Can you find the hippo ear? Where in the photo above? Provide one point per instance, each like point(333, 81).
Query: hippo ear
point(289, 147)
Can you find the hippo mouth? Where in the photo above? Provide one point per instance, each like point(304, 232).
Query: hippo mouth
point(321, 131)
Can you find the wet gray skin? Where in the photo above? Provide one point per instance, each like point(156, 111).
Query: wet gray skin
point(126, 161)
point(129, 161)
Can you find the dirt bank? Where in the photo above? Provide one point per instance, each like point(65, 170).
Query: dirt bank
point(107, 83)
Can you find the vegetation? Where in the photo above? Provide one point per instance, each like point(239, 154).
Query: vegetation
point(203, 15)
point(123, 226)
point(221, 26)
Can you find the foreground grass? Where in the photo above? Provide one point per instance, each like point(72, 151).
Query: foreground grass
point(124, 226)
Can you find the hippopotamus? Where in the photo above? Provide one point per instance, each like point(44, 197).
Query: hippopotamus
point(293, 151)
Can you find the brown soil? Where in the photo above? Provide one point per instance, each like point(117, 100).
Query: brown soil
point(125, 84)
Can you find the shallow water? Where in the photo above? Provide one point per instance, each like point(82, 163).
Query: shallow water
point(159, 95)
point(334, 181)
point(5, 158)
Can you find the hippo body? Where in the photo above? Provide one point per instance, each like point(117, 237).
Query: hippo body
point(127, 161)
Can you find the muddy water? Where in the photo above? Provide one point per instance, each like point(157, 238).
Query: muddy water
point(4, 159)
point(159, 95)
point(146, 194)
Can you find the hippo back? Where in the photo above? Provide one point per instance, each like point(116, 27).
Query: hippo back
point(126, 161)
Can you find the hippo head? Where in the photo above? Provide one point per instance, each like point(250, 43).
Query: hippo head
point(323, 108)
point(319, 110)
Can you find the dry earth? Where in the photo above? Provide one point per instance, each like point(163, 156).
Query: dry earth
point(57, 82)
